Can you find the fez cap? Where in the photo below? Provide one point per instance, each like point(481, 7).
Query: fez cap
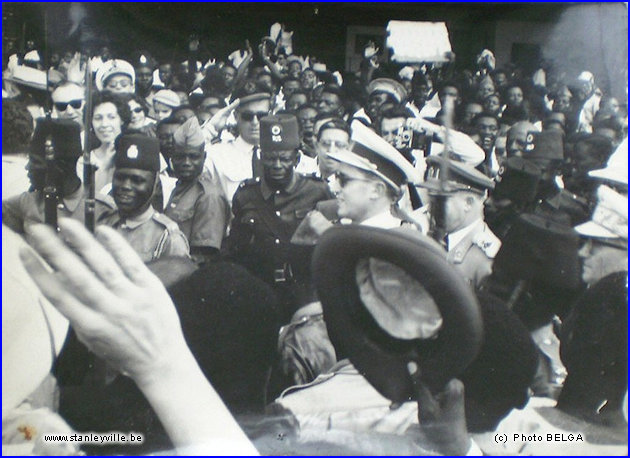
point(189, 134)
point(548, 145)
point(279, 133)
point(135, 151)
point(65, 136)
point(389, 86)
point(459, 177)
point(517, 180)
point(113, 67)
point(168, 98)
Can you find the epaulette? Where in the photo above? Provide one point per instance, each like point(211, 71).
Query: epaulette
point(312, 176)
point(488, 242)
point(165, 221)
point(249, 182)
point(106, 200)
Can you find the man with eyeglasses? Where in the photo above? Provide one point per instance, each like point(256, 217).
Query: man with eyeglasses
point(68, 103)
point(197, 203)
point(268, 209)
point(234, 161)
point(116, 76)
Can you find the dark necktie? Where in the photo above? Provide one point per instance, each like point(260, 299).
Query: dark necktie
point(257, 170)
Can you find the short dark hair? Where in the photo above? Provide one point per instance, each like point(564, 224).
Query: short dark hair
point(335, 89)
point(397, 112)
point(120, 101)
point(485, 114)
point(449, 83)
point(334, 123)
point(17, 125)
point(167, 121)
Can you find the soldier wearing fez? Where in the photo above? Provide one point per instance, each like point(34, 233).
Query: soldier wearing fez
point(267, 211)
point(56, 190)
point(151, 234)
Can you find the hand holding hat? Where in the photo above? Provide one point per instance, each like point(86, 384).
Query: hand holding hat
point(441, 415)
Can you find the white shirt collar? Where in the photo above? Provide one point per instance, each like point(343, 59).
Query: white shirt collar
point(242, 145)
point(455, 237)
point(383, 220)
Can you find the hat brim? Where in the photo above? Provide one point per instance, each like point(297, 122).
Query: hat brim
point(610, 175)
point(592, 229)
point(381, 358)
point(254, 98)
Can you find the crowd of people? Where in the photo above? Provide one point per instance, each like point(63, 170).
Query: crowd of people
point(289, 259)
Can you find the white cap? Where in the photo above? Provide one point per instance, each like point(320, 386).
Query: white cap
point(168, 98)
point(32, 56)
point(610, 217)
point(616, 169)
point(114, 67)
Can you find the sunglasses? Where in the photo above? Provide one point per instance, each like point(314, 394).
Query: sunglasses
point(137, 110)
point(76, 104)
point(344, 179)
point(250, 115)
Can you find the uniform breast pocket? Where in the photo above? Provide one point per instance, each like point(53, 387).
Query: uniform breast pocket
point(180, 215)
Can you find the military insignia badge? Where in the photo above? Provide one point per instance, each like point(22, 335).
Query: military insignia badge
point(132, 152)
point(276, 133)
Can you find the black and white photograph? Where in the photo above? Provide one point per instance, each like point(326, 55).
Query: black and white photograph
point(314, 228)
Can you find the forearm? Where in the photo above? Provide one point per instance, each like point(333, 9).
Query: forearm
point(192, 412)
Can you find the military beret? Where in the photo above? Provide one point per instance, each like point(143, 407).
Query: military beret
point(189, 135)
point(113, 67)
point(65, 136)
point(446, 176)
point(279, 133)
point(135, 151)
point(168, 98)
point(389, 86)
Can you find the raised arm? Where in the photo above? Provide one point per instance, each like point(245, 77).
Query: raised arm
point(123, 314)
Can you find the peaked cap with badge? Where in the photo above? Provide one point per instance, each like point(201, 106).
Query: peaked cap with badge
point(114, 67)
point(370, 153)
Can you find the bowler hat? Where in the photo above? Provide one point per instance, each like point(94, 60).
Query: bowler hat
point(361, 327)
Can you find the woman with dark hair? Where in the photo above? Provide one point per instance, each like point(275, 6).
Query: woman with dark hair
point(140, 122)
point(110, 117)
